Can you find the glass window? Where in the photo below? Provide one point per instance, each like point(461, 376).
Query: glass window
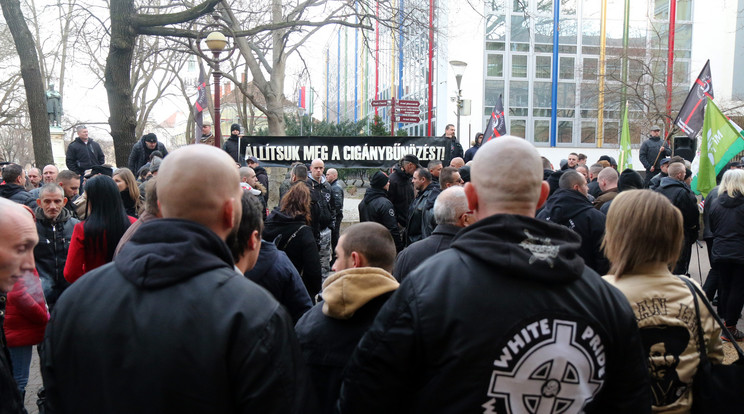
point(684, 9)
point(611, 132)
point(496, 6)
point(494, 88)
point(496, 27)
point(681, 72)
point(519, 66)
point(519, 5)
point(545, 6)
point(544, 30)
point(520, 29)
point(565, 132)
point(661, 9)
point(591, 9)
point(495, 46)
point(588, 132)
point(591, 69)
point(543, 48)
point(517, 127)
point(542, 67)
point(542, 131)
point(495, 65)
point(589, 96)
point(566, 65)
point(541, 92)
point(520, 47)
point(568, 7)
point(683, 36)
point(590, 32)
point(567, 32)
point(519, 94)
point(566, 95)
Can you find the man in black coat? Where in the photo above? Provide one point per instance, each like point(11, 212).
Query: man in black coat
point(141, 151)
point(235, 146)
point(329, 332)
point(451, 214)
point(508, 319)
point(679, 193)
point(338, 205)
point(83, 153)
point(570, 207)
point(401, 188)
point(261, 175)
point(14, 184)
point(375, 206)
point(180, 328)
point(421, 212)
point(652, 151)
point(54, 225)
point(453, 145)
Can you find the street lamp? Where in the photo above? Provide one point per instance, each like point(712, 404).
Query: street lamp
point(458, 67)
point(216, 42)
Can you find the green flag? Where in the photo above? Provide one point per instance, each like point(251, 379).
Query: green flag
point(625, 160)
point(720, 143)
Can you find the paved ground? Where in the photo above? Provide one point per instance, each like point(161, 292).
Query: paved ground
point(699, 265)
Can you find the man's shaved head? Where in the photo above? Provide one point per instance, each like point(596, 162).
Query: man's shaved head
point(203, 195)
point(18, 237)
point(506, 177)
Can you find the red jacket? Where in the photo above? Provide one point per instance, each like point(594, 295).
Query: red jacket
point(80, 261)
point(26, 313)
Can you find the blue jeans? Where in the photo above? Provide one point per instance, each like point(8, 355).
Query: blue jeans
point(20, 357)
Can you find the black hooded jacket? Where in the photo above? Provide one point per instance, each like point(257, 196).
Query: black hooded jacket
point(727, 224)
point(17, 193)
point(276, 273)
point(51, 252)
point(293, 236)
point(683, 198)
point(170, 326)
point(231, 147)
point(140, 154)
point(484, 324)
point(375, 206)
point(401, 193)
point(262, 178)
point(572, 209)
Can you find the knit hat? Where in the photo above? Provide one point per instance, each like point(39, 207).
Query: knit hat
point(234, 127)
point(664, 161)
point(629, 180)
point(99, 169)
point(150, 137)
point(655, 128)
point(379, 180)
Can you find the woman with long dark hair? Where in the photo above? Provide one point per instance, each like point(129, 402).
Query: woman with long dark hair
point(643, 239)
point(287, 226)
point(94, 240)
point(129, 191)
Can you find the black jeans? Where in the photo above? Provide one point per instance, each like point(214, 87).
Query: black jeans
point(730, 291)
point(710, 287)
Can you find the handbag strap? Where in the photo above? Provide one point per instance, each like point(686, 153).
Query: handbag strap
point(701, 338)
point(699, 295)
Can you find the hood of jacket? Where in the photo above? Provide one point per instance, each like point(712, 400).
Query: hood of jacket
point(524, 247)
point(167, 251)
point(9, 190)
point(278, 216)
point(346, 291)
point(63, 216)
point(374, 193)
point(314, 182)
point(730, 202)
point(565, 204)
point(672, 182)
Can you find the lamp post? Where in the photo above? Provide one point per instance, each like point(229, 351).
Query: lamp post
point(216, 42)
point(459, 68)
point(301, 112)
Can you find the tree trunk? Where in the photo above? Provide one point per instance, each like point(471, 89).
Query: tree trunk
point(35, 95)
point(122, 119)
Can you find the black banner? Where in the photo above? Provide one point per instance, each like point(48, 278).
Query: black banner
point(345, 152)
point(691, 115)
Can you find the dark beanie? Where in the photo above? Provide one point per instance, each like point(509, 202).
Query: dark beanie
point(465, 173)
point(629, 180)
point(234, 127)
point(150, 137)
point(379, 180)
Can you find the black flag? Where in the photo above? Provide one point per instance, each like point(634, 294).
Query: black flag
point(200, 104)
point(497, 124)
point(690, 117)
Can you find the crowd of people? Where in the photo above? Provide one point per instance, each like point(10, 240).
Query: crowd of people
point(487, 282)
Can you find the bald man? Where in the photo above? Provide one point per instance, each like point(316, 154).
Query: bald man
point(338, 204)
point(170, 326)
point(17, 240)
point(508, 319)
point(607, 180)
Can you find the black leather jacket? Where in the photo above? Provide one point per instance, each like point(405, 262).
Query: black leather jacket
point(51, 252)
point(508, 312)
point(375, 206)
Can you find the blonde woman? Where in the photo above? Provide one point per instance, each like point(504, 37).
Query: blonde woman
point(130, 193)
point(643, 239)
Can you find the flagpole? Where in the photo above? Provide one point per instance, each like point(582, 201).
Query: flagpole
point(554, 93)
point(670, 61)
point(602, 42)
point(626, 29)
